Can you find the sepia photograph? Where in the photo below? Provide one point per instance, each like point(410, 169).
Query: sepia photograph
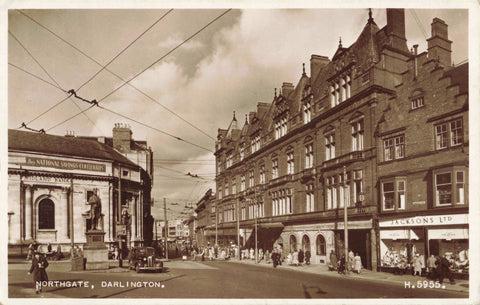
point(221, 154)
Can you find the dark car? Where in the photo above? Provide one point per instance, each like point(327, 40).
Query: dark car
point(144, 258)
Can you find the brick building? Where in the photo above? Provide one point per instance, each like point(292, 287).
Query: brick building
point(205, 220)
point(378, 128)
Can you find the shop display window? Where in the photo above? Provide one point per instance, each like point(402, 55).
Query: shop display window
point(455, 250)
point(397, 250)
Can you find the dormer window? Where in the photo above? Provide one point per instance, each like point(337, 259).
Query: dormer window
point(307, 112)
point(417, 99)
point(281, 127)
point(242, 151)
point(255, 143)
point(229, 160)
point(340, 90)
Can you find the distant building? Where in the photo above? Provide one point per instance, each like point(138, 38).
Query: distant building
point(205, 220)
point(141, 154)
point(177, 230)
point(378, 128)
point(50, 181)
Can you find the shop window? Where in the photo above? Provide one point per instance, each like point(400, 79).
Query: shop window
point(305, 243)
point(321, 245)
point(449, 134)
point(46, 214)
point(394, 195)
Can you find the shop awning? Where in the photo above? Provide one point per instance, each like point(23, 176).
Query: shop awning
point(448, 234)
point(401, 234)
point(270, 225)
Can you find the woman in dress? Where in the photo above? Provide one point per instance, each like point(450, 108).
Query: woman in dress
point(39, 264)
point(358, 263)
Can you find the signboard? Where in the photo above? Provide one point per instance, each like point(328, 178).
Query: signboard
point(430, 220)
point(121, 230)
point(399, 234)
point(63, 164)
point(448, 234)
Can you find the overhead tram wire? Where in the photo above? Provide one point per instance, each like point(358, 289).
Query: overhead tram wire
point(419, 24)
point(87, 56)
point(119, 77)
point(50, 76)
point(153, 128)
point(124, 49)
point(168, 53)
point(39, 78)
point(96, 104)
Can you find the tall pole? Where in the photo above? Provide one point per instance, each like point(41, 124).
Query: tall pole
point(238, 228)
point(216, 225)
point(345, 218)
point(255, 211)
point(166, 226)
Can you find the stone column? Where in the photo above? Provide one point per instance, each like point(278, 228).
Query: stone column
point(28, 212)
point(64, 235)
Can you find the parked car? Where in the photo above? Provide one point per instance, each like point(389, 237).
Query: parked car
point(144, 258)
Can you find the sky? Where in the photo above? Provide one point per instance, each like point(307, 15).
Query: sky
point(231, 65)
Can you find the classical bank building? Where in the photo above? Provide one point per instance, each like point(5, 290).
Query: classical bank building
point(50, 181)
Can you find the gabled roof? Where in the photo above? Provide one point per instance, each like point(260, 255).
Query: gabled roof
point(60, 145)
point(459, 76)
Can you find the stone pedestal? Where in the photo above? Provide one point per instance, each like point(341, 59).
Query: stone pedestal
point(95, 251)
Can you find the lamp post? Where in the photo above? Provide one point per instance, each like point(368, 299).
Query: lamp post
point(255, 211)
point(345, 218)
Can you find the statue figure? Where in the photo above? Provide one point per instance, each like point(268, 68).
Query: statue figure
point(95, 210)
point(125, 217)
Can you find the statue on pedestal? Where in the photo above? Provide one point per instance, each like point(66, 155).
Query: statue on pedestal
point(95, 210)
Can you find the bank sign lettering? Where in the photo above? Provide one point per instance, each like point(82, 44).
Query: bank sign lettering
point(431, 220)
point(62, 164)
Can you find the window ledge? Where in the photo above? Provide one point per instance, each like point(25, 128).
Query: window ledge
point(46, 230)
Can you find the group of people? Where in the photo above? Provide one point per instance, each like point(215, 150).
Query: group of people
point(340, 265)
point(297, 258)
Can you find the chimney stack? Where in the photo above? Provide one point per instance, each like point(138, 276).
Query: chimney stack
point(317, 62)
point(122, 137)
point(396, 29)
point(439, 47)
point(287, 88)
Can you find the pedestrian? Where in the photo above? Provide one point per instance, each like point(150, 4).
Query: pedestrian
point(49, 248)
point(32, 247)
point(431, 266)
point(307, 257)
point(115, 249)
point(358, 263)
point(333, 260)
point(252, 254)
point(267, 257)
point(295, 258)
point(289, 259)
point(341, 265)
point(443, 268)
point(39, 264)
point(417, 265)
point(301, 256)
point(351, 260)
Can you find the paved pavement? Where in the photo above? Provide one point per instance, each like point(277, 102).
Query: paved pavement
point(460, 285)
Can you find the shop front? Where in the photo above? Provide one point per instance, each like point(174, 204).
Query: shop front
point(401, 239)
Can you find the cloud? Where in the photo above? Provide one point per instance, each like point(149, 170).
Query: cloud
point(175, 40)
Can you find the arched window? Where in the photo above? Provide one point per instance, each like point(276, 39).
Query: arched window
point(305, 243)
point(46, 214)
point(293, 243)
point(321, 247)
